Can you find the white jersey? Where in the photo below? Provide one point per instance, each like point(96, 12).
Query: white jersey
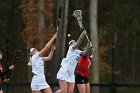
point(37, 65)
point(38, 80)
point(68, 65)
point(71, 58)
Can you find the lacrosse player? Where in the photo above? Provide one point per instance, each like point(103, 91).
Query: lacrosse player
point(3, 74)
point(66, 74)
point(82, 71)
point(39, 84)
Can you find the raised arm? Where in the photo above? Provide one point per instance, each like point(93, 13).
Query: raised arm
point(50, 54)
point(87, 50)
point(48, 45)
point(80, 39)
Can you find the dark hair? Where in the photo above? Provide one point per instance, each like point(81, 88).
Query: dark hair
point(81, 48)
point(0, 52)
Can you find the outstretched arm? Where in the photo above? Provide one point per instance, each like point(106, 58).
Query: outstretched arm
point(88, 48)
point(48, 45)
point(80, 39)
point(50, 55)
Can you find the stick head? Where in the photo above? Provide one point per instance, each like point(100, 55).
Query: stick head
point(78, 15)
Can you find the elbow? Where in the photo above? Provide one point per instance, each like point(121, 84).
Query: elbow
point(49, 58)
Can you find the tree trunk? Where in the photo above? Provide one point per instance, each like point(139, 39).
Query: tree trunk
point(65, 25)
point(94, 40)
point(61, 40)
point(41, 22)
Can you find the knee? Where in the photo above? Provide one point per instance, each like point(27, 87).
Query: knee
point(61, 91)
point(64, 91)
point(70, 91)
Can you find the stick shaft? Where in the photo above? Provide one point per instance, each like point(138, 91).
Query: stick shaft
point(89, 41)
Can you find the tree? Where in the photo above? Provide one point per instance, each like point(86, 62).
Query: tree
point(94, 40)
point(41, 22)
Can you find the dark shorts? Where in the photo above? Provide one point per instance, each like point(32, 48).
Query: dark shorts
point(80, 79)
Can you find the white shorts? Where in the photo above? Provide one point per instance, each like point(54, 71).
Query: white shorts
point(39, 83)
point(65, 74)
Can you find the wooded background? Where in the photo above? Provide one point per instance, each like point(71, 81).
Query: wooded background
point(31, 23)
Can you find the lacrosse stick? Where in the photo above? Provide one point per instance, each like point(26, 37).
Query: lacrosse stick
point(78, 15)
point(59, 16)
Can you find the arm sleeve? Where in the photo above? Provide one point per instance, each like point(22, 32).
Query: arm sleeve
point(5, 72)
point(85, 52)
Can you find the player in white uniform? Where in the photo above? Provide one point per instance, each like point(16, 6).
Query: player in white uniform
point(66, 72)
point(39, 84)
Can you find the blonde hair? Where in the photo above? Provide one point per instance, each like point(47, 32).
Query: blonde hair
point(71, 42)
